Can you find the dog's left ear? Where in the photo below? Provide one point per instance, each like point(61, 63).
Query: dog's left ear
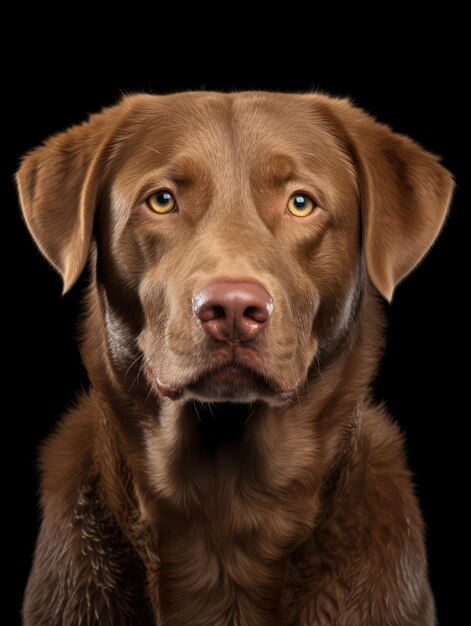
point(405, 194)
point(58, 185)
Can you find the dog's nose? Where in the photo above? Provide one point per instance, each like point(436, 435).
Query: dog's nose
point(233, 310)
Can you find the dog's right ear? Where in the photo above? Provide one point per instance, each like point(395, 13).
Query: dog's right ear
point(59, 184)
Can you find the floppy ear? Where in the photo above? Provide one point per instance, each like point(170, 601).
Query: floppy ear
point(405, 194)
point(58, 185)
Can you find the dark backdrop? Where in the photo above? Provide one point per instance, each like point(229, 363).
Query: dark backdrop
point(421, 382)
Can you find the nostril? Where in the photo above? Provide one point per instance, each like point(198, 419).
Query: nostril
point(257, 314)
point(218, 312)
point(208, 311)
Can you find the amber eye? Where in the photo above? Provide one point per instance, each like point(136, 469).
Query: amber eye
point(162, 202)
point(300, 205)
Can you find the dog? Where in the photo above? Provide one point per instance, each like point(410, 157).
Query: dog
point(227, 465)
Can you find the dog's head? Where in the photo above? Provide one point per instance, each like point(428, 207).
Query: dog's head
point(232, 231)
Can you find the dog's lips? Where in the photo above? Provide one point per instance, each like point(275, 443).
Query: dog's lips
point(229, 379)
point(230, 373)
point(231, 376)
point(168, 391)
point(227, 375)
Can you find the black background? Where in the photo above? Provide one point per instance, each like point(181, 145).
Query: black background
point(417, 89)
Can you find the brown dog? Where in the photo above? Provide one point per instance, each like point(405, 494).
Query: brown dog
point(227, 466)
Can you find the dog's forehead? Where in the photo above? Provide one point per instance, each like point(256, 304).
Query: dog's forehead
point(247, 132)
point(249, 123)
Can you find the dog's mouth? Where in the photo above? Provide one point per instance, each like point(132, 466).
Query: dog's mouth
point(230, 383)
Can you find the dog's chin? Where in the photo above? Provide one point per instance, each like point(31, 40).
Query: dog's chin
point(230, 384)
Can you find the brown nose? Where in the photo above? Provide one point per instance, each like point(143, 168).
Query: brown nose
point(233, 310)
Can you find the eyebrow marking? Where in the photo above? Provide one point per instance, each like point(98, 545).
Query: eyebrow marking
point(277, 169)
point(185, 169)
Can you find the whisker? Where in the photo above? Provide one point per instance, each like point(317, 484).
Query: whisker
point(136, 377)
point(197, 412)
point(151, 388)
point(133, 363)
point(251, 410)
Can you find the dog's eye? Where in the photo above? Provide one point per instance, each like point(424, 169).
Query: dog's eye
point(300, 205)
point(162, 202)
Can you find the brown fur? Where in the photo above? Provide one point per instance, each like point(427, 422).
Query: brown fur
point(305, 513)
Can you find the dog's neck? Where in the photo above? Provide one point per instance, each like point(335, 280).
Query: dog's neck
point(272, 483)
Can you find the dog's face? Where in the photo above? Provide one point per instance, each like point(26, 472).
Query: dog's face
point(232, 231)
point(253, 192)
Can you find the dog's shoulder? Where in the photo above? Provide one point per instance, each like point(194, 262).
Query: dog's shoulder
point(66, 455)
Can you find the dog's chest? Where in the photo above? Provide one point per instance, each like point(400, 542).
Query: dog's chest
point(222, 577)
point(226, 522)
point(226, 558)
